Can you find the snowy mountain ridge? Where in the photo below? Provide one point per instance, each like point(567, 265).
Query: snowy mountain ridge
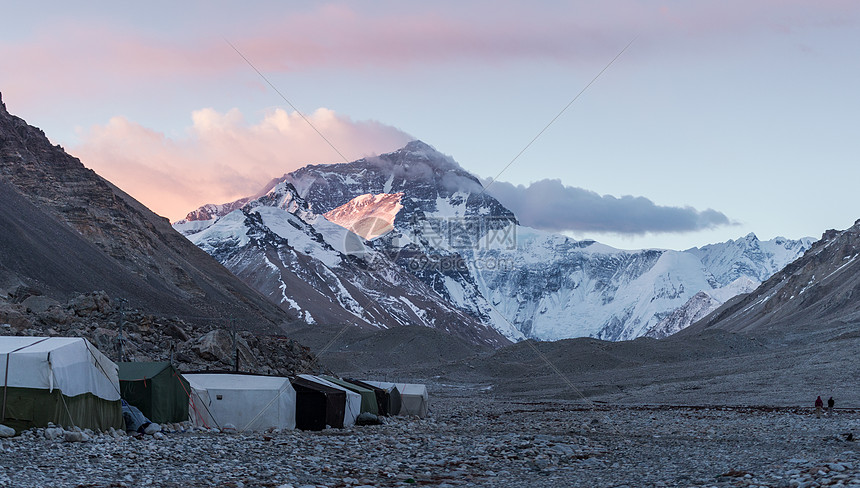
point(750, 257)
point(430, 222)
point(699, 306)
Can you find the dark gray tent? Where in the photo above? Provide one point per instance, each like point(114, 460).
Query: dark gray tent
point(368, 398)
point(414, 399)
point(318, 405)
point(388, 400)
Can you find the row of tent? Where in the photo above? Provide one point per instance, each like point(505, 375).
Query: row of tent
point(308, 402)
point(68, 382)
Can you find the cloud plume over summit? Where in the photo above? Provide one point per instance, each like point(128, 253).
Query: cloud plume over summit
point(550, 205)
point(222, 157)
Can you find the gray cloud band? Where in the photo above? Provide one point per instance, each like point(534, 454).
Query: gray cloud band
point(550, 205)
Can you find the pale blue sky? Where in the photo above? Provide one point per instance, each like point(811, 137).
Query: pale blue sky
point(748, 108)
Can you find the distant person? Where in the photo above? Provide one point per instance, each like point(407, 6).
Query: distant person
point(830, 404)
point(819, 405)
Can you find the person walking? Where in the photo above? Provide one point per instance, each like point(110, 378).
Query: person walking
point(830, 404)
point(819, 405)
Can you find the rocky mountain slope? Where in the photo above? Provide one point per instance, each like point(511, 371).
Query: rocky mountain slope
point(192, 346)
point(817, 293)
point(69, 231)
point(469, 249)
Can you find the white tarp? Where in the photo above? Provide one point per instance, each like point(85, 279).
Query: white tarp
point(414, 399)
point(248, 402)
point(353, 399)
point(71, 364)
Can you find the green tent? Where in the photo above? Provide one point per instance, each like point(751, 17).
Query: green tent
point(63, 380)
point(157, 389)
point(368, 397)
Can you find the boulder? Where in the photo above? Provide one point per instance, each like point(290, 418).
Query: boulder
point(367, 418)
point(216, 345)
point(19, 293)
point(6, 431)
point(52, 433)
point(39, 304)
point(55, 315)
point(9, 281)
point(9, 314)
point(74, 436)
point(105, 339)
point(90, 303)
point(176, 332)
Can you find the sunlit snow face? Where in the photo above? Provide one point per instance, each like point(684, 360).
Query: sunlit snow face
point(368, 216)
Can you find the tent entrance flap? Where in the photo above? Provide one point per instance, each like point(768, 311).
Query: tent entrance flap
point(310, 408)
point(156, 389)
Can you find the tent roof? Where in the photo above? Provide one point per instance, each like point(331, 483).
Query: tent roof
point(298, 381)
point(365, 385)
point(403, 388)
point(35, 344)
point(347, 384)
point(234, 381)
point(325, 382)
point(138, 371)
point(71, 364)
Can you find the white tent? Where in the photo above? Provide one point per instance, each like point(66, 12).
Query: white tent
point(248, 402)
point(414, 399)
point(64, 380)
point(353, 399)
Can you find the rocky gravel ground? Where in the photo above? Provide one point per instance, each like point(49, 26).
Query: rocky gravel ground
point(470, 439)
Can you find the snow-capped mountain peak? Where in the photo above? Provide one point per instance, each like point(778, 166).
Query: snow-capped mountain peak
point(749, 256)
point(285, 197)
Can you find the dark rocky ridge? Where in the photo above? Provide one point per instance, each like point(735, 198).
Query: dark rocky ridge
point(145, 337)
point(68, 231)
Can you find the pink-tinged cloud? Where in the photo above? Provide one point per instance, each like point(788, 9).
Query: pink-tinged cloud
point(101, 56)
point(222, 157)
